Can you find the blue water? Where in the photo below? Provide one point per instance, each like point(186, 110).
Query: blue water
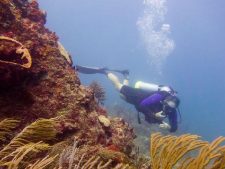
point(106, 33)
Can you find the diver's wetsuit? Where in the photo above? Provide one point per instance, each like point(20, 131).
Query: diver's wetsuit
point(150, 103)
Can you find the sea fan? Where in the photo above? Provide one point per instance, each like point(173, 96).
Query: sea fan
point(20, 153)
point(168, 152)
point(21, 50)
point(99, 92)
point(40, 130)
point(6, 127)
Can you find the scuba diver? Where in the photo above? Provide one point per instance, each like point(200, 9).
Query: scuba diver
point(156, 102)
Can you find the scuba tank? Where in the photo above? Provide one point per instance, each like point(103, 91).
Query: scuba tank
point(151, 87)
point(147, 86)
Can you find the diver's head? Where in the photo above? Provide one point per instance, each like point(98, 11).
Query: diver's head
point(167, 89)
point(172, 101)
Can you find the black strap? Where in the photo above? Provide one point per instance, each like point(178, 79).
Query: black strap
point(138, 117)
point(179, 115)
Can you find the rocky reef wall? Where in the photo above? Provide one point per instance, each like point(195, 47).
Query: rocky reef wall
point(38, 82)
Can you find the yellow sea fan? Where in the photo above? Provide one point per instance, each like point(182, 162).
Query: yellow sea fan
point(220, 162)
point(15, 159)
point(209, 155)
point(41, 164)
point(40, 130)
point(168, 152)
point(6, 127)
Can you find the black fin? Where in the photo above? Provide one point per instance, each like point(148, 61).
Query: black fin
point(91, 70)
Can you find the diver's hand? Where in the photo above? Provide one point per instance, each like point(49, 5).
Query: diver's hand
point(160, 115)
point(165, 126)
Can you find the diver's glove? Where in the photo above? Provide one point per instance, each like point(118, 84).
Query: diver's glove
point(160, 115)
point(165, 126)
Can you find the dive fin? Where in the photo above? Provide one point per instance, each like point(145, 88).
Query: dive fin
point(94, 70)
point(91, 70)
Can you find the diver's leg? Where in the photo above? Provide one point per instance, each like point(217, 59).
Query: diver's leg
point(115, 81)
point(126, 82)
point(126, 79)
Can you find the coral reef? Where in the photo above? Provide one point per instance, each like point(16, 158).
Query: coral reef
point(43, 105)
point(169, 152)
point(103, 159)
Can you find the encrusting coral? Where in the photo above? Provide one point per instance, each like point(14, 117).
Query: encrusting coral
point(104, 120)
point(169, 152)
